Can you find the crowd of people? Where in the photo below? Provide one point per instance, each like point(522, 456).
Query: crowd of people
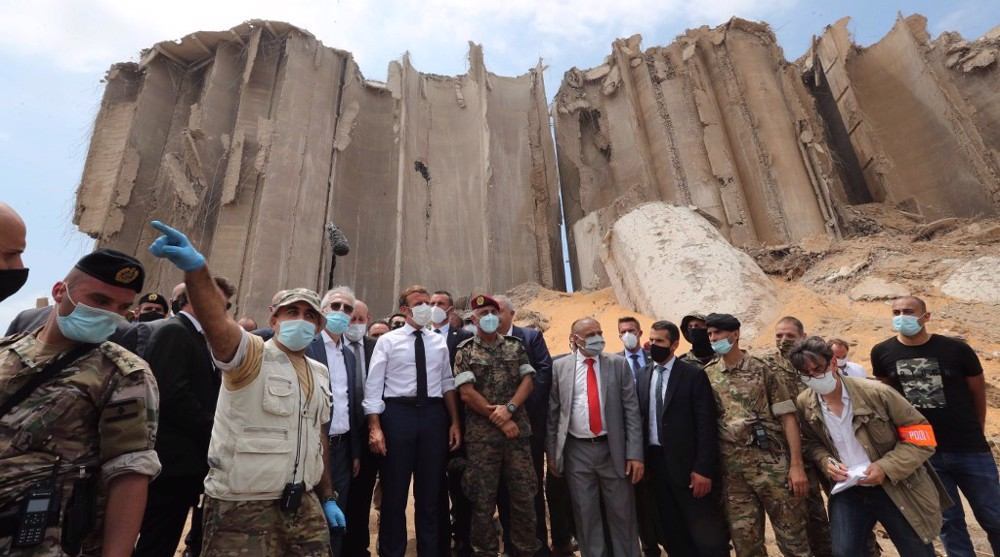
point(279, 440)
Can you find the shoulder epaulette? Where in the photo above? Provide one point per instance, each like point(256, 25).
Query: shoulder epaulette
point(124, 360)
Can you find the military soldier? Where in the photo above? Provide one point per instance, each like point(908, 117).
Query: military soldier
point(268, 491)
point(787, 332)
point(494, 378)
point(693, 330)
point(759, 444)
point(77, 420)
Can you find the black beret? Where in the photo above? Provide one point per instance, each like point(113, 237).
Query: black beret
point(722, 321)
point(114, 268)
point(154, 298)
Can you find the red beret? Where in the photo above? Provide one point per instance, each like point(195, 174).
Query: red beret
point(482, 301)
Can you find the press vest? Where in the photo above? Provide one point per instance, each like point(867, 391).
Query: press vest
point(257, 429)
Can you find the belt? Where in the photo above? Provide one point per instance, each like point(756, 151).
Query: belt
point(336, 440)
point(592, 440)
point(413, 401)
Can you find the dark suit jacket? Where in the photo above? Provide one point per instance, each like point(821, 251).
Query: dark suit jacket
point(538, 355)
point(189, 388)
point(134, 337)
point(455, 337)
point(266, 333)
point(688, 425)
point(358, 435)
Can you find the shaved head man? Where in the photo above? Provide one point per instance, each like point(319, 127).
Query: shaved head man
point(12, 243)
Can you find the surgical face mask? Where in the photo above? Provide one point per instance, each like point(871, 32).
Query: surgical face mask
point(722, 346)
point(784, 345)
point(87, 324)
point(823, 385)
point(355, 331)
point(337, 322)
point(296, 334)
point(11, 280)
point(150, 316)
point(630, 340)
point(906, 325)
point(489, 323)
point(438, 315)
point(659, 354)
point(700, 344)
point(422, 314)
point(594, 344)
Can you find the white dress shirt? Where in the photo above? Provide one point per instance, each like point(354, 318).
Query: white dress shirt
point(393, 369)
point(340, 416)
point(579, 415)
point(841, 430)
point(851, 369)
point(654, 398)
point(442, 330)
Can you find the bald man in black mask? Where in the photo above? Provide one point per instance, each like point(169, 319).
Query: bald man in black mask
point(12, 242)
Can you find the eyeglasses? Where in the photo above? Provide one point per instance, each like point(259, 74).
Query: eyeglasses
point(815, 371)
point(341, 306)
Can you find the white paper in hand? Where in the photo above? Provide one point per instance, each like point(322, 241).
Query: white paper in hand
point(854, 475)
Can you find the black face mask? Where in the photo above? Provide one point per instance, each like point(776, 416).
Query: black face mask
point(11, 280)
point(150, 316)
point(659, 354)
point(700, 344)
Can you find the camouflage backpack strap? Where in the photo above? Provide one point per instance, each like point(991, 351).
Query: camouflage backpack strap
point(47, 374)
point(7, 341)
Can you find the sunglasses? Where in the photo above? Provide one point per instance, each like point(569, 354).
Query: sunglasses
point(340, 306)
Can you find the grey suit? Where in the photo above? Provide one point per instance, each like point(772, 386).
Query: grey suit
point(596, 470)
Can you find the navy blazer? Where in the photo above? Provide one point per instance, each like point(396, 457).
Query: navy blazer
point(538, 354)
point(689, 424)
point(358, 434)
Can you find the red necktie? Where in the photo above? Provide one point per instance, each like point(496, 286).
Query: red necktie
point(593, 398)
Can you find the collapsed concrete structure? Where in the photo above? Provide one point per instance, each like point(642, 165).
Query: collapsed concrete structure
point(252, 140)
point(255, 139)
point(771, 151)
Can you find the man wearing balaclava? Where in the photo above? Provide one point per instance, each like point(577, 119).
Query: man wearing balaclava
point(693, 330)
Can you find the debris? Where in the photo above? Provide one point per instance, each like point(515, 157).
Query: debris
point(977, 280)
point(876, 288)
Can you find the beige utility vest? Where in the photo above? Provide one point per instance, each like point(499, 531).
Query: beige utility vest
point(257, 428)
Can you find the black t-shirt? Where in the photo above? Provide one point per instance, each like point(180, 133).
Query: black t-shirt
point(932, 377)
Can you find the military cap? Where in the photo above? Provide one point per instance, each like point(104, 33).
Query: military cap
point(154, 298)
point(482, 301)
point(114, 268)
point(723, 321)
point(687, 319)
point(293, 295)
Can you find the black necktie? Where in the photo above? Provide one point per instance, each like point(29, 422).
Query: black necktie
point(421, 360)
point(659, 402)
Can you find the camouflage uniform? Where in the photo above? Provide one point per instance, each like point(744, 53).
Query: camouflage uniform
point(262, 529)
point(755, 480)
point(690, 358)
point(497, 370)
point(817, 521)
point(98, 415)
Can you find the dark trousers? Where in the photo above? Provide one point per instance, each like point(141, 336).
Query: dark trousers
point(416, 441)
point(503, 498)
point(690, 526)
point(853, 514)
point(167, 506)
point(975, 474)
point(648, 515)
point(560, 510)
point(461, 509)
point(340, 475)
point(359, 504)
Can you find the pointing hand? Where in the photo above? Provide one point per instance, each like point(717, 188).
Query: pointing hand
point(176, 247)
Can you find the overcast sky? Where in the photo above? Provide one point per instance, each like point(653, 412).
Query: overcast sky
point(53, 55)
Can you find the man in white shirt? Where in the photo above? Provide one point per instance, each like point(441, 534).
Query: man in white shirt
point(413, 421)
point(346, 430)
point(847, 368)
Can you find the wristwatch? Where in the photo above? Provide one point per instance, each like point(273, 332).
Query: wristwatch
point(511, 407)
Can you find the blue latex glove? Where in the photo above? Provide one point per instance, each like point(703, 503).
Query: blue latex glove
point(334, 515)
point(176, 247)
